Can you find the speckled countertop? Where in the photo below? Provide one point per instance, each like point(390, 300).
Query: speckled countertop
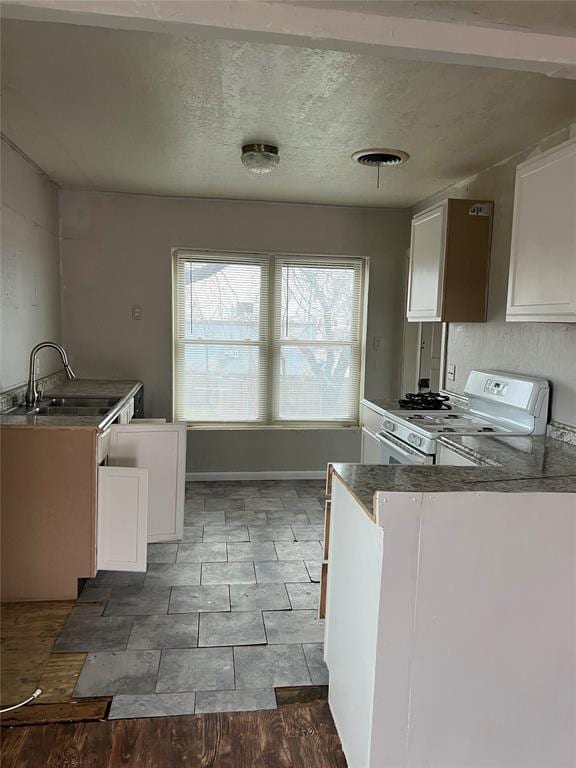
point(527, 456)
point(380, 405)
point(510, 465)
point(122, 389)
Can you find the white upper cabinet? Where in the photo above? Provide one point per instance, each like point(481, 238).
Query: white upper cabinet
point(542, 282)
point(449, 262)
point(427, 264)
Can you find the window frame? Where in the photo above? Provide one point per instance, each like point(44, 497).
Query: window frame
point(270, 342)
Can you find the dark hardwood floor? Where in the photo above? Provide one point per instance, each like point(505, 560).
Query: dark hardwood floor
point(295, 736)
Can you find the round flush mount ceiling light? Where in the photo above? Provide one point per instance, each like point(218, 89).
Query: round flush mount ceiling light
point(380, 157)
point(260, 158)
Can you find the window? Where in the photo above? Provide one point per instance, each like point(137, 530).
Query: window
point(267, 339)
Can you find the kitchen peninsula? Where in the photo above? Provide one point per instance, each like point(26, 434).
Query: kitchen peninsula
point(450, 609)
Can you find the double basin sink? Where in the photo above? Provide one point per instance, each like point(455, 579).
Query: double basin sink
point(66, 406)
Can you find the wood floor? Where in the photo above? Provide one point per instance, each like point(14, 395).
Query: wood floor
point(27, 634)
point(296, 736)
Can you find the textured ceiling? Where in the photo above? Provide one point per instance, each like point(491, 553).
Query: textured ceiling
point(157, 114)
point(546, 16)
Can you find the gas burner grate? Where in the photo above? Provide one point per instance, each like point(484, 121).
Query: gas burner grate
point(425, 401)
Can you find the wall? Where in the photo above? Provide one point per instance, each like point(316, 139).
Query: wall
point(116, 252)
point(541, 349)
point(30, 284)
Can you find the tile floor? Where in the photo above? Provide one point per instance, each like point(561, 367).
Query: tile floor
point(218, 620)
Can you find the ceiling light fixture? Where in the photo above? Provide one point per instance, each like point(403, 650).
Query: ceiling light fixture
point(379, 158)
point(260, 158)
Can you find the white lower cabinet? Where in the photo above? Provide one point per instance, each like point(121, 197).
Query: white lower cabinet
point(161, 450)
point(371, 448)
point(122, 518)
point(448, 457)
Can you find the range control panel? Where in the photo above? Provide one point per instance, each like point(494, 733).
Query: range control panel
point(494, 387)
point(507, 389)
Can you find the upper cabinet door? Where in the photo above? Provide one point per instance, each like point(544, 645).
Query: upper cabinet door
point(542, 282)
point(426, 276)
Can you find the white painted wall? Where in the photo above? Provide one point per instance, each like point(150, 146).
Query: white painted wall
point(541, 349)
point(30, 269)
point(116, 252)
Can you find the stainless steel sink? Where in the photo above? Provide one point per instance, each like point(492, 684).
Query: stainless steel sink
point(66, 406)
point(78, 402)
point(63, 410)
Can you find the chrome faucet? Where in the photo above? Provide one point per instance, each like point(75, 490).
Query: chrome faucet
point(32, 392)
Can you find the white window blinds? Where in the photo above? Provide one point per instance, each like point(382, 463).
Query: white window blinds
point(267, 339)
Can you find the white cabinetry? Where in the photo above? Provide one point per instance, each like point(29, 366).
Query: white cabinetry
point(122, 519)
point(371, 448)
point(427, 264)
point(126, 414)
point(449, 261)
point(542, 280)
point(161, 450)
point(448, 457)
point(413, 679)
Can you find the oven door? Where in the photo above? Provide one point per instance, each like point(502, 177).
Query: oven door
point(394, 451)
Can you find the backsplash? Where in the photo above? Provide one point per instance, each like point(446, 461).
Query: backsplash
point(16, 395)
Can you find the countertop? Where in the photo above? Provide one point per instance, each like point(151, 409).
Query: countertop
point(381, 404)
point(124, 389)
point(517, 465)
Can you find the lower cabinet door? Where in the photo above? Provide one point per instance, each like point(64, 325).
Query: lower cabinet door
point(161, 449)
point(122, 518)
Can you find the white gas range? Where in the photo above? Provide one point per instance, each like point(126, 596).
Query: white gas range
point(499, 403)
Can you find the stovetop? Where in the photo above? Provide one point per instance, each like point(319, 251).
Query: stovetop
point(441, 423)
point(424, 401)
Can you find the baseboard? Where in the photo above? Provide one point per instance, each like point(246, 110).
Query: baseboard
point(273, 475)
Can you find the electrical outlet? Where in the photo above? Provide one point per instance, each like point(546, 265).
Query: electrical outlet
point(376, 343)
point(451, 372)
point(136, 312)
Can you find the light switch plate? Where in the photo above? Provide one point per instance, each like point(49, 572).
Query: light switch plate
point(451, 372)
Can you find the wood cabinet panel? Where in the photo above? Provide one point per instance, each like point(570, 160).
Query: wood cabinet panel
point(48, 521)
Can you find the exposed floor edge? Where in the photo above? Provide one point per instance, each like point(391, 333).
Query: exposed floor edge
point(65, 712)
point(272, 475)
point(301, 695)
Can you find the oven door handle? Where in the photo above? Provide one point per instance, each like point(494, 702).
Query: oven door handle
point(383, 437)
